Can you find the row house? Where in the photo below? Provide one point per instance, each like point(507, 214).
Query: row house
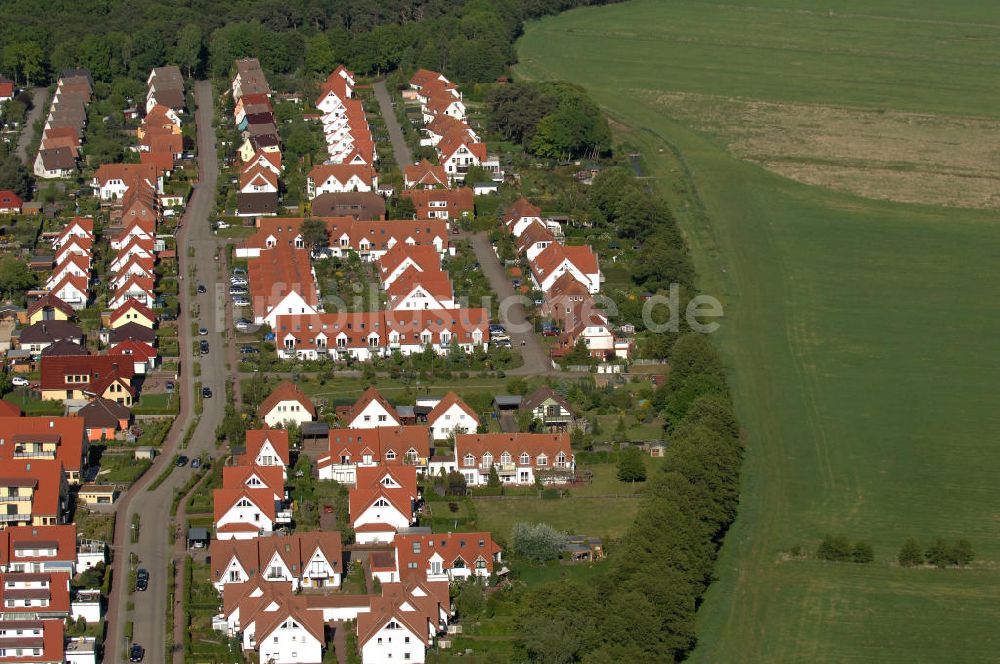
point(447, 557)
point(350, 449)
point(282, 283)
point(518, 458)
point(47, 438)
point(77, 228)
point(347, 134)
point(132, 311)
point(403, 258)
point(425, 175)
point(311, 560)
point(444, 115)
point(282, 627)
point(383, 501)
point(165, 87)
point(451, 204)
point(404, 621)
point(245, 513)
point(266, 448)
point(43, 549)
point(63, 127)
point(340, 178)
point(36, 338)
point(370, 240)
point(555, 260)
point(33, 492)
point(371, 410)
point(111, 181)
point(249, 78)
point(431, 290)
point(366, 335)
point(34, 596)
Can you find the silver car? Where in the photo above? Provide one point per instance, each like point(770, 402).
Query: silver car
point(241, 301)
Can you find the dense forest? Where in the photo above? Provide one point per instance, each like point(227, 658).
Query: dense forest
point(469, 41)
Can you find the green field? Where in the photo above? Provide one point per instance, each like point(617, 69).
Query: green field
point(861, 333)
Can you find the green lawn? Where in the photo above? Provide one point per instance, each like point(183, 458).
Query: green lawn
point(860, 332)
point(602, 517)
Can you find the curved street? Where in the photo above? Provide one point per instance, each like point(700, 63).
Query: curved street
point(153, 551)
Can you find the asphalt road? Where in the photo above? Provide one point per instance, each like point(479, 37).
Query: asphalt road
point(512, 313)
point(153, 550)
point(38, 99)
point(399, 147)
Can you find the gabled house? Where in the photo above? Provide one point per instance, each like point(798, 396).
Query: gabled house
point(132, 311)
point(403, 621)
point(445, 557)
point(383, 501)
point(286, 404)
point(550, 409)
point(425, 175)
point(33, 492)
point(135, 288)
point(430, 289)
point(349, 449)
point(306, 560)
point(371, 410)
point(451, 416)
point(244, 513)
point(72, 290)
point(521, 214)
point(266, 447)
point(282, 282)
point(48, 438)
point(141, 353)
point(103, 419)
point(518, 458)
point(85, 378)
point(38, 549)
point(558, 259)
point(10, 203)
point(452, 204)
point(337, 178)
point(401, 258)
point(49, 307)
point(53, 163)
point(39, 336)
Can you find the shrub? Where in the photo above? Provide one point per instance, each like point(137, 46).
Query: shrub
point(835, 548)
point(911, 554)
point(536, 541)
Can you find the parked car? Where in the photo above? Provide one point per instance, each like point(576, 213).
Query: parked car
point(238, 280)
point(182, 461)
point(246, 350)
point(243, 325)
point(516, 283)
point(497, 328)
point(328, 508)
point(502, 343)
point(241, 301)
point(238, 290)
point(196, 462)
point(219, 225)
point(20, 381)
point(239, 271)
point(136, 653)
point(550, 331)
point(169, 386)
point(202, 331)
point(141, 579)
point(201, 289)
point(165, 317)
point(206, 393)
point(204, 347)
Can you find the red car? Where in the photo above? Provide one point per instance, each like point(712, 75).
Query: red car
point(328, 509)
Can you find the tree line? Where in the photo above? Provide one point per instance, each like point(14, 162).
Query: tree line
point(469, 41)
point(643, 608)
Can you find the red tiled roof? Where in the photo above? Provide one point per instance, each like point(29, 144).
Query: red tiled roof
point(355, 444)
point(446, 402)
point(369, 487)
point(454, 201)
point(66, 432)
point(255, 439)
point(286, 391)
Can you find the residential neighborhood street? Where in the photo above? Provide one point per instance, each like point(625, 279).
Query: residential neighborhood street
point(153, 549)
point(400, 149)
point(522, 336)
point(38, 97)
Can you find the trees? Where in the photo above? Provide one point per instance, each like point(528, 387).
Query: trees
point(537, 542)
point(911, 554)
point(631, 465)
point(314, 233)
point(189, 51)
point(14, 175)
point(15, 278)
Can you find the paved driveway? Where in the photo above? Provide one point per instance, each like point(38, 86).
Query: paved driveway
point(38, 98)
point(399, 147)
point(512, 313)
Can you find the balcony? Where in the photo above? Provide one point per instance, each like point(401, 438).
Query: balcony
point(15, 499)
point(12, 518)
